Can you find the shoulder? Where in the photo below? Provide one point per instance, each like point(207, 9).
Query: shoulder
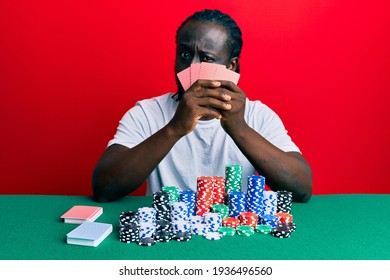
point(162, 100)
point(159, 105)
point(256, 111)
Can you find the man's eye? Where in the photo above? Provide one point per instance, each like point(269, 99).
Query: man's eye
point(185, 55)
point(207, 59)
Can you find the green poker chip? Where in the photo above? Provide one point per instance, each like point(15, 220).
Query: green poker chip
point(221, 209)
point(265, 229)
point(227, 231)
point(233, 178)
point(173, 192)
point(245, 230)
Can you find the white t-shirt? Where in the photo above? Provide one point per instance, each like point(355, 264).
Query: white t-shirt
point(203, 152)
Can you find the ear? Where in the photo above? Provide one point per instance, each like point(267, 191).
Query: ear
point(234, 63)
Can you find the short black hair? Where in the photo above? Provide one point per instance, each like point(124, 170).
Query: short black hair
point(215, 16)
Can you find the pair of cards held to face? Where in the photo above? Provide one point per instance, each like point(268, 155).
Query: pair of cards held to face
point(206, 71)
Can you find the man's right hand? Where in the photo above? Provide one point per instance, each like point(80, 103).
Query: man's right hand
point(201, 101)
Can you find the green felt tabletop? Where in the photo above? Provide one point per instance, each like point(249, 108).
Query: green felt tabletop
point(329, 227)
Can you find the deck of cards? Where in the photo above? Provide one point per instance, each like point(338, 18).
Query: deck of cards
point(206, 71)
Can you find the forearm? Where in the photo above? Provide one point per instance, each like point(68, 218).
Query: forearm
point(122, 170)
point(282, 170)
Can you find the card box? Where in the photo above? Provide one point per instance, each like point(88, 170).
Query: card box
point(80, 213)
point(89, 234)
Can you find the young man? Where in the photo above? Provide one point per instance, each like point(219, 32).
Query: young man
point(173, 139)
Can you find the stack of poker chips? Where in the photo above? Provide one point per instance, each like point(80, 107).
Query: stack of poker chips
point(265, 229)
point(218, 189)
point(198, 227)
point(283, 230)
point(237, 203)
point(227, 231)
point(284, 217)
point(269, 219)
point(230, 222)
point(128, 227)
point(173, 192)
point(255, 194)
point(162, 205)
point(147, 226)
point(221, 209)
point(245, 230)
point(180, 222)
point(178, 215)
point(284, 201)
point(233, 177)
point(213, 221)
point(205, 194)
point(189, 198)
point(270, 202)
point(248, 219)
point(164, 232)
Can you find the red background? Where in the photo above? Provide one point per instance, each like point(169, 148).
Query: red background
point(69, 70)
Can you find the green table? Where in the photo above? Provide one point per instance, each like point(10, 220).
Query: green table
point(330, 227)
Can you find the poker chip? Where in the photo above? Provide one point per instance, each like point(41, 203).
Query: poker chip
point(129, 217)
point(265, 229)
point(283, 230)
point(255, 194)
point(213, 236)
point(284, 217)
point(237, 203)
point(205, 190)
point(213, 221)
point(128, 234)
point(221, 209)
point(173, 192)
point(269, 220)
point(248, 219)
point(218, 189)
point(162, 205)
point(233, 178)
point(230, 222)
point(284, 203)
point(148, 241)
point(189, 198)
point(218, 208)
point(270, 201)
point(183, 236)
point(227, 231)
point(245, 230)
point(199, 229)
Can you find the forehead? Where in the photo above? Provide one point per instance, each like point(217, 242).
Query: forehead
point(207, 35)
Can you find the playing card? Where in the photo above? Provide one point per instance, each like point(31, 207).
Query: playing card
point(229, 75)
point(185, 78)
point(207, 71)
point(220, 72)
point(195, 68)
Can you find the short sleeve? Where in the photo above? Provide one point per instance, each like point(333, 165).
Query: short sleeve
point(269, 125)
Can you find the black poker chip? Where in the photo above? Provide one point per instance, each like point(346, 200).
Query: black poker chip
point(147, 241)
point(183, 236)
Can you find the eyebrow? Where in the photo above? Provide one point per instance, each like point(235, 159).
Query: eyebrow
point(188, 46)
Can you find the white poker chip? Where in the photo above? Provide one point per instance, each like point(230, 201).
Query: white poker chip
point(213, 235)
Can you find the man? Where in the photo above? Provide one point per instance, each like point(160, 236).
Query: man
point(171, 141)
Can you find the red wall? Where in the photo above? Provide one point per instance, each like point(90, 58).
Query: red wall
point(70, 69)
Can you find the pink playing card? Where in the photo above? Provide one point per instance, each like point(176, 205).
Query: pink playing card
point(185, 78)
point(220, 72)
point(229, 75)
point(195, 68)
point(207, 71)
